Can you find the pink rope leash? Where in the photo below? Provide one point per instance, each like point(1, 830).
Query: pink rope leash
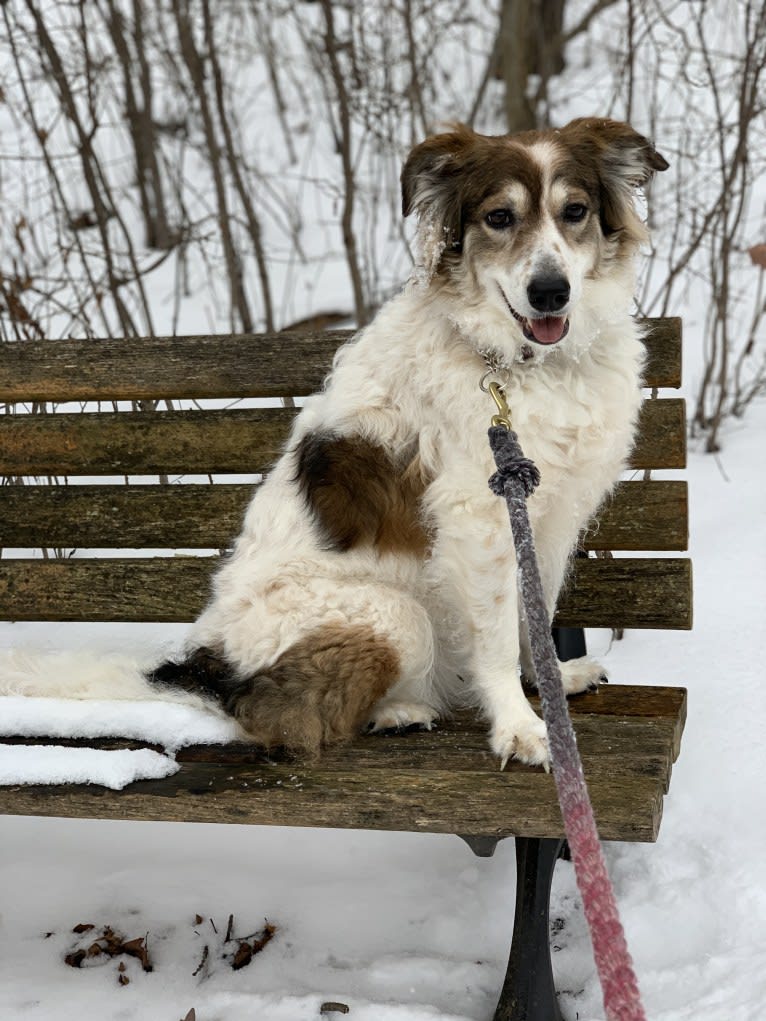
point(515, 479)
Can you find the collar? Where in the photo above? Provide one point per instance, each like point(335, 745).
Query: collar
point(496, 362)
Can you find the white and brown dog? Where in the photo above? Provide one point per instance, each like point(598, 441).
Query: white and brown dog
point(374, 580)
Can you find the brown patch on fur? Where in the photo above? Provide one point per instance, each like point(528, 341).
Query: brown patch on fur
point(609, 159)
point(359, 496)
point(319, 692)
point(453, 173)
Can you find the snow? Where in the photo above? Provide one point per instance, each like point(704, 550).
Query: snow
point(29, 764)
point(172, 726)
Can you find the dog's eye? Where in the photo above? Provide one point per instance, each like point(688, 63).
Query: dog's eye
point(575, 212)
point(499, 218)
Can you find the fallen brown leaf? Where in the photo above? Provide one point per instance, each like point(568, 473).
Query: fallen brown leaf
point(111, 944)
point(250, 946)
point(242, 957)
point(74, 960)
point(758, 255)
point(267, 934)
point(137, 948)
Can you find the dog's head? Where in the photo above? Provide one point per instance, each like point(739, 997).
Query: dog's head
point(530, 219)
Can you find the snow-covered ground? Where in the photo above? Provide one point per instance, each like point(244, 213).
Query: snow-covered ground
point(414, 927)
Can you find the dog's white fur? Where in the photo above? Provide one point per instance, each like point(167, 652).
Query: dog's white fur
point(412, 377)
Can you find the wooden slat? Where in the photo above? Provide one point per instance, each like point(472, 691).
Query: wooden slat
point(623, 592)
point(444, 781)
point(664, 352)
point(486, 803)
point(640, 516)
point(627, 748)
point(618, 722)
point(122, 517)
point(661, 437)
point(241, 441)
point(144, 443)
point(601, 593)
point(251, 365)
point(607, 722)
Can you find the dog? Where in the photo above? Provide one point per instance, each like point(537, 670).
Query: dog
point(373, 585)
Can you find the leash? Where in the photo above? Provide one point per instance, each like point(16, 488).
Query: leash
point(516, 478)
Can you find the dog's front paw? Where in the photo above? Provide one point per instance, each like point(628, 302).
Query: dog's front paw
point(523, 738)
point(582, 674)
point(400, 715)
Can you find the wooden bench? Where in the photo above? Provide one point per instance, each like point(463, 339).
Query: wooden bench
point(445, 781)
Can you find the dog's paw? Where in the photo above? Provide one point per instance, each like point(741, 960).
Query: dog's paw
point(583, 674)
point(400, 715)
point(524, 739)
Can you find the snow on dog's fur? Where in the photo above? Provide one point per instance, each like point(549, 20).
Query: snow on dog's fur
point(374, 580)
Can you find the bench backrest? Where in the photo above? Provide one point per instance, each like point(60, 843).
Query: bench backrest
point(182, 406)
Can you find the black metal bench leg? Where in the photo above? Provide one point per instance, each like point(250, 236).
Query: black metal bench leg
point(569, 642)
point(482, 847)
point(528, 992)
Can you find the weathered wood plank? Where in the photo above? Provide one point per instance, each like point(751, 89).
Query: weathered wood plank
point(602, 721)
point(627, 745)
point(639, 516)
point(122, 517)
point(661, 436)
point(664, 349)
point(249, 365)
point(144, 443)
point(642, 516)
point(243, 441)
point(626, 592)
point(622, 745)
point(655, 593)
point(483, 803)
point(624, 755)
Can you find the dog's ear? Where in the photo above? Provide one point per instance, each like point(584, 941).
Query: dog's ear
point(624, 160)
point(431, 182)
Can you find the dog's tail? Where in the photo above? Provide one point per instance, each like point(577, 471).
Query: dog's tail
point(75, 675)
point(317, 693)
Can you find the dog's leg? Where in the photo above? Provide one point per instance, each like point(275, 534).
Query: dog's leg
point(413, 700)
point(582, 673)
point(474, 566)
point(399, 714)
point(517, 732)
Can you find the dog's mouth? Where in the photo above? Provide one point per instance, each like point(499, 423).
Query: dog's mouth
point(543, 329)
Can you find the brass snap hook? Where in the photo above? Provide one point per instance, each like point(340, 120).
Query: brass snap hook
point(503, 416)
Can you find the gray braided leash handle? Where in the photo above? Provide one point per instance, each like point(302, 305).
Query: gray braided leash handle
point(515, 479)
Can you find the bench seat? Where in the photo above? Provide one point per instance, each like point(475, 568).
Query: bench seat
point(443, 781)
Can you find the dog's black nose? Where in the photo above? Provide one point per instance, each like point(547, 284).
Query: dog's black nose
point(548, 294)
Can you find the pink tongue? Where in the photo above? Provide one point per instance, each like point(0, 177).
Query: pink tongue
point(547, 330)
